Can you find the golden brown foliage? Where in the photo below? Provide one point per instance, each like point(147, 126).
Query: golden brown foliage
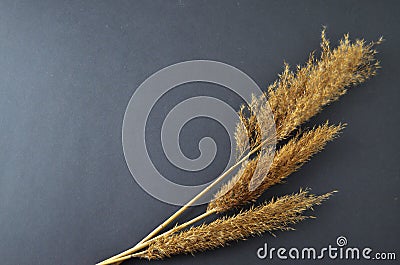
point(287, 159)
point(278, 214)
point(294, 98)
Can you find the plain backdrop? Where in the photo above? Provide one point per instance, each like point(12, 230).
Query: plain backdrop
point(69, 68)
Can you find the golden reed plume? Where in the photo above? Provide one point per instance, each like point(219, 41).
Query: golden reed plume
point(287, 159)
point(296, 97)
point(278, 214)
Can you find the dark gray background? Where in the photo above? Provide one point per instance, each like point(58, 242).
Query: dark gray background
point(68, 69)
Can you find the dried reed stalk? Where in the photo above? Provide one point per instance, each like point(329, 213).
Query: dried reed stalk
point(294, 98)
point(278, 214)
point(287, 159)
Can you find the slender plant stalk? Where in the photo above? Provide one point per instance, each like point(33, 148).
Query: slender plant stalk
point(148, 242)
point(186, 206)
point(294, 99)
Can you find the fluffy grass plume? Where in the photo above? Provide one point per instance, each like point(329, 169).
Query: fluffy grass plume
point(278, 214)
point(287, 159)
point(297, 96)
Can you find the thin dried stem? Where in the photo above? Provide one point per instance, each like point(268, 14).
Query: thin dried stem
point(184, 208)
point(138, 247)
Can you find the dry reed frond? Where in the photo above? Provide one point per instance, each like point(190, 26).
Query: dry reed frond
point(288, 159)
point(293, 99)
point(257, 128)
point(278, 214)
point(296, 97)
point(247, 134)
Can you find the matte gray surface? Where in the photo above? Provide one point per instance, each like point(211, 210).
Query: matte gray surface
point(68, 69)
